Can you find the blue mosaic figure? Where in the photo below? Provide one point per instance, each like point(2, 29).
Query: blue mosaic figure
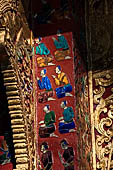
point(41, 48)
point(45, 83)
point(66, 124)
point(61, 43)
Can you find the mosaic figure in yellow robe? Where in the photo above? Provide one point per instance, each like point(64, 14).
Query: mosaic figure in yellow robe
point(62, 81)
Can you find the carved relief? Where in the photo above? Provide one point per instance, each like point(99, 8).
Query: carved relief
point(100, 49)
point(20, 106)
point(103, 119)
point(24, 79)
point(18, 79)
point(7, 5)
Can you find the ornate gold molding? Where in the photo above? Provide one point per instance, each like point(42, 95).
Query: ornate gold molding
point(17, 119)
point(8, 5)
point(14, 43)
point(104, 120)
point(99, 20)
point(90, 78)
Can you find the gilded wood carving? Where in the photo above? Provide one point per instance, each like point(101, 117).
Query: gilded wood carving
point(103, 118)
point(99, 20)
point(14, 40)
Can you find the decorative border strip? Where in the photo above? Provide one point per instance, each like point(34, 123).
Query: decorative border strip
point(17, 118)
point(92, 117)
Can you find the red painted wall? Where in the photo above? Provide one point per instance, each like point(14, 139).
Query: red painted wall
point(67, 67)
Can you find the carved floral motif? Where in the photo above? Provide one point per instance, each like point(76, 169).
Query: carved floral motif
point(100, 49)
point(103, 118)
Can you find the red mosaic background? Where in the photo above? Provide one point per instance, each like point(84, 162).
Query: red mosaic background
point(68, 68)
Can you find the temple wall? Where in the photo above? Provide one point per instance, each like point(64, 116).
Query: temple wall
point(92, 99)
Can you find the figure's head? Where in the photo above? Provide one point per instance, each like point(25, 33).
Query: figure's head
point(58, 69)
point(63, 104)
point(59, 32)
point(46, 108)
point(38, 40)
point(44, 146)
point(43, 72)
point(64, 144)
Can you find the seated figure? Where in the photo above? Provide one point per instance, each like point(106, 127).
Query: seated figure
point(62, 81)
point(46, 161)
point(62, 47)
point(67, 158)
point(47, 126)
point(67, 123)
point(44, 57)
point(45, 83)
